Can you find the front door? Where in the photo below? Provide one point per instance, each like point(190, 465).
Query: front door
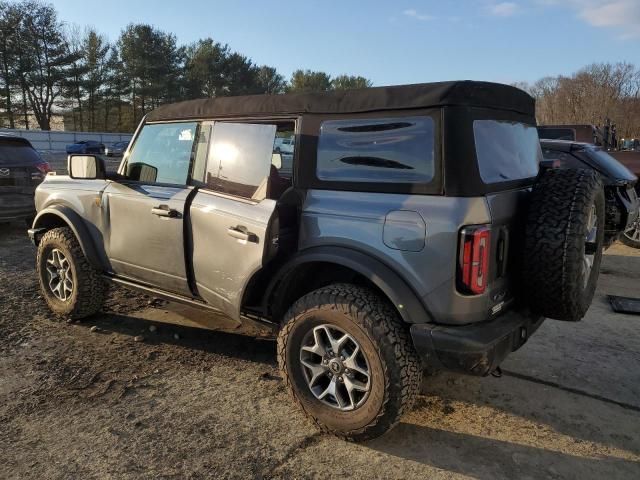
point(145, 209)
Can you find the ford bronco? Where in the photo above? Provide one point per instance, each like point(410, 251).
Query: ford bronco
point(414, 230)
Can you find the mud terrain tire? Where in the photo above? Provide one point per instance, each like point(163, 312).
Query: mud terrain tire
point(393, 363)
point(89, 288)
point(561, 242)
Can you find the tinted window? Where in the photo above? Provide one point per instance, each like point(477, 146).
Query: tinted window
point(609, 165)
point(385, 150)
point(239, 159)
point(557, 133)
point(162, 153)
point(14, 152)
point(506, 150)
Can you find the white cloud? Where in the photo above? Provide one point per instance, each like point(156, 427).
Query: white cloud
point(623, 15)
point(418, 16)
point(504, 9)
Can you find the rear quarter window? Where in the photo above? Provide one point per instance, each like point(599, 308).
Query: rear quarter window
point(383, 150)
point(506, 150)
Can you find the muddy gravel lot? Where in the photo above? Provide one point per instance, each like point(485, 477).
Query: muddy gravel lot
point(124, 395)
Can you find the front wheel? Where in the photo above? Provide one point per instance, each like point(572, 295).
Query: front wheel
point(69, 284)
point(348, 361)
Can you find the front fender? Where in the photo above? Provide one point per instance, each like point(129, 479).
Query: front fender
point(51, 216)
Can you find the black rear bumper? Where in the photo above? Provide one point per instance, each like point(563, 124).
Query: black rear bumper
point(475, 349)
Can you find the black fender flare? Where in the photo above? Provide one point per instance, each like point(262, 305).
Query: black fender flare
point(77, 226)
point(399, 293)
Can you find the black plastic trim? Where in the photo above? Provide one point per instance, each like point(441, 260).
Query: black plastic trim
point(77, 225)
point(476, 349)
point(401, 295)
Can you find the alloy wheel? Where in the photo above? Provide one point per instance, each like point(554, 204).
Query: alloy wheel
point(335, 367)
point(60, 275)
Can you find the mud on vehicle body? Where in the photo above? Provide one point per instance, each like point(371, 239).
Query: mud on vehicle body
point(395, 242)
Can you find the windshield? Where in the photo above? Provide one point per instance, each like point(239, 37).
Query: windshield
point(506, 150)
point(609, 165)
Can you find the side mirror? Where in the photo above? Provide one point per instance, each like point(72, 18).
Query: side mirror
point(87, 167)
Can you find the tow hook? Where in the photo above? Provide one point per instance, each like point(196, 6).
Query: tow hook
point(497, 372)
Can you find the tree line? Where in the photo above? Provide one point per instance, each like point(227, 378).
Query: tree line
point(596, 94)
point(48, 67)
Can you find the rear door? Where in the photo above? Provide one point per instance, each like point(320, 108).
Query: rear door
point(144, 234)
point(230, 214)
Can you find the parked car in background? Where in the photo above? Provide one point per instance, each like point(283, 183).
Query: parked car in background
point(622, 203)
point(86, 146)
point(21, 171)
point(599, 136)
point(284, 145)
point(116, 150)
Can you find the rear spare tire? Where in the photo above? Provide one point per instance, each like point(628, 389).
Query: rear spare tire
point(563, 245)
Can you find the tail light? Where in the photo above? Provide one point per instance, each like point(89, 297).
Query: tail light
point(44, 168)
point(473, 266)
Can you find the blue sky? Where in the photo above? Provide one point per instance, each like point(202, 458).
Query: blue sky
point(393, 42)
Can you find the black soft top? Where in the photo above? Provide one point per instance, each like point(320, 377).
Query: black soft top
point(402, 97)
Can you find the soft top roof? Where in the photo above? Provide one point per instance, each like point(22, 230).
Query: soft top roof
point(402, 97)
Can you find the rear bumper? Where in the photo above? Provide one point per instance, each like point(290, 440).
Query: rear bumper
point(476, 349)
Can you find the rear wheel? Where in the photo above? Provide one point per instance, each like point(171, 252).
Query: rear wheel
point(348, 361)
point(564, 243)
point(69, 284)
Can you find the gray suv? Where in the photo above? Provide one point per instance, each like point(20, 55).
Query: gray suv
point(413, 230)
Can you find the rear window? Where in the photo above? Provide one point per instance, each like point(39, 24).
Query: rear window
point(557, 133)
point(506, 151)
point(15, 152)
point(383, 150)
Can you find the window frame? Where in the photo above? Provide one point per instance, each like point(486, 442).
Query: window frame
point(310, 134)
point(203, 188)
point(125, 160)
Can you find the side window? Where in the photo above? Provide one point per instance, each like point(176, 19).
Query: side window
point(162, 153)
point(384, 150)
point(240, 158)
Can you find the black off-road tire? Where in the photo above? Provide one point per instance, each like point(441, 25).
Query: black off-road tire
point(89, 289)
point(395, 365)
point(553, 264)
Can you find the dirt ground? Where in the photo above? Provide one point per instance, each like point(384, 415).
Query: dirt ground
point(83, 402)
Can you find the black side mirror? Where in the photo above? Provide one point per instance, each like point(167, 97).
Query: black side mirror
point(87, 167)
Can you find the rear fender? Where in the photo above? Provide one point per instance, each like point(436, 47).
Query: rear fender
point(404, 299)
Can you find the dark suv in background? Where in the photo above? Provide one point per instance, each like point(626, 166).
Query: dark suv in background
point(21, 171)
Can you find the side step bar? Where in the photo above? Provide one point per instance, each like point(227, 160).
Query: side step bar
point(250, 319)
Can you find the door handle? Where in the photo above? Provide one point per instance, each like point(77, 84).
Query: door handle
point(165, 211)
point(240, 232)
